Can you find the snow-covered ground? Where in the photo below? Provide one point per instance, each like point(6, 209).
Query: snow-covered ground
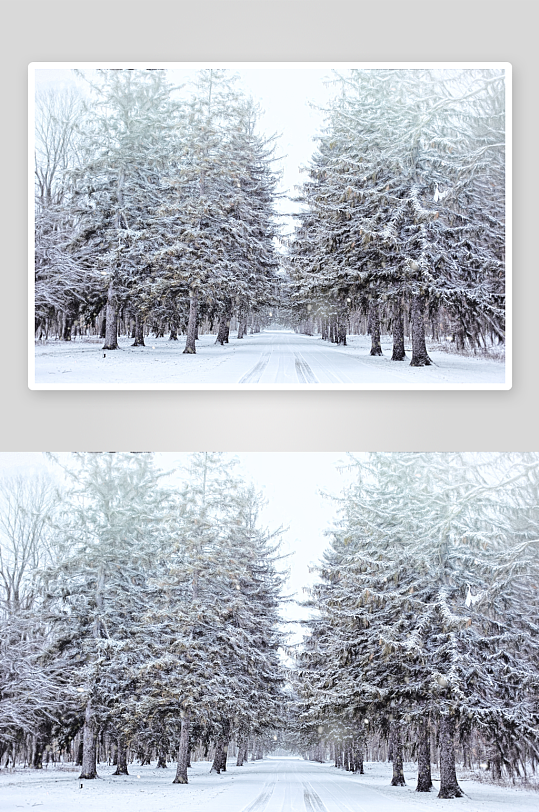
point(272, 785)
point(267, 360)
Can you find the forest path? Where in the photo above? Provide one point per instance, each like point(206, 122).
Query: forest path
point(277, 358)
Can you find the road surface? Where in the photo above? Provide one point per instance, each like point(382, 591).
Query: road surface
point(269, 359)
point(271, 785)
point(301, 786)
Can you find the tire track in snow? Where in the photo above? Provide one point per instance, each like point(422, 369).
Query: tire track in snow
point(304, 371)
point(312, 801)
point(337, 793)
point(261, 801)
point(286, 803)
point(254, 374)
point(325, 364)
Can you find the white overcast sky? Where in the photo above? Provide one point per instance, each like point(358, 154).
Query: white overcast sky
point(290, 483)
point(285, 96)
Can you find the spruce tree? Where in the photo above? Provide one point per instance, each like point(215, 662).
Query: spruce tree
point(405, 202)
point(215, 228)
point(209, 637)
point(130, 134)
point(114, 514)
point(421, 605)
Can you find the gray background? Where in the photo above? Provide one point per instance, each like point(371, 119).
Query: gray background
point(268, 30)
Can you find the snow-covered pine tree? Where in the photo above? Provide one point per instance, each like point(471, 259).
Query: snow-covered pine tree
point(500, 554)
point(422, 610)
point(130, 132)
point(408, 159)
point(322, 281)
point(251, 226)
point(363, 576)
point(255, 619)
point(210, 636)
point(215, 226)
point(475, 635)
point(114, 516)
point(34, 673)
point(480, 642)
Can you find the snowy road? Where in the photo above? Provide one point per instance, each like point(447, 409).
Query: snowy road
point(292, 359)
point(272, 785)
point(267, 360)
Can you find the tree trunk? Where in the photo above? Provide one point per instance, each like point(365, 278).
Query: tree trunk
point(242, 325)
point(496, 764)
point(161, 757)
point(190, 347)
point(183, 750)
point(398, 333)
point(173, 329)
point(121, 757)
point(80, 751)
point(341, 331)
point(89, 755)
point(374, 328)
point(359, 754)
point(420, 357)
point(449, 787)
point(222, 333)
point(242, 746)
point(324, 329)
point(139, 332)
point(219, 759)
point(103, 329)
point(424, 779)
point(68, 323)
point(398, 770)
point(221, 748)
point(37, 761)
point(111, 330)
point(347, 756)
